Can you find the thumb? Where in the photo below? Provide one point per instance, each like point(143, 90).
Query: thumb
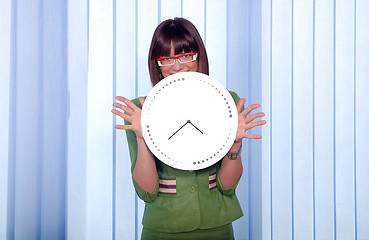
point(240, 104)
point(142, 100)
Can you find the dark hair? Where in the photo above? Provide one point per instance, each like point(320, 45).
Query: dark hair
point(184, 36)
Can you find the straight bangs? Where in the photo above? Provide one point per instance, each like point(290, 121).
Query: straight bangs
point(180, 38)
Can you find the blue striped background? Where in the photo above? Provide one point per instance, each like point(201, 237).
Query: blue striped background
point(306, 62)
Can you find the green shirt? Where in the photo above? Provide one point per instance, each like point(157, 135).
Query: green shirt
point(185, 200)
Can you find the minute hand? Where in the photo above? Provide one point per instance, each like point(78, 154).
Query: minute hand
point(179, 129)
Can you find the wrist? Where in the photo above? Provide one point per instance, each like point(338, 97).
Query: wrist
point(140, 139)
point(235, 151)
point(236, 146)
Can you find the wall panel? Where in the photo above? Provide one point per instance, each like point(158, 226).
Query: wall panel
point(362, 118)
point(77, 130)
point(344, 119)
point(237, 76)
point(194, 10)
point(125, 211)
point(267, 146)
point(170, 9)
point(5, 29)
point(55, 117)
point(147, 21)
point(26, 149)
point(323, 114)
point(303, 169)
point(216, 39)
point(282, 120)
point(99, 121)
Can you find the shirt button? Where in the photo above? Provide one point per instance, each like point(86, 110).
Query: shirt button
point(192, 189)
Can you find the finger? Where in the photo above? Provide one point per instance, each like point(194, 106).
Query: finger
point(252, 117)
point(247, 110)
point(248, 135)
point(126, 109)
point(252, 136)
point(122, 115)
point(255, 124)
point(124, 127)
point(142, 100)
point(120, 98)
point(240, 104)
point(128, 102)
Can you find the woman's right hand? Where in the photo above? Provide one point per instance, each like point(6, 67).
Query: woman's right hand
point(131, 113)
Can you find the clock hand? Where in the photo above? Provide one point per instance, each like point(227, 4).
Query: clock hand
point(188, 121)
point(179, 129)
point(194, 126)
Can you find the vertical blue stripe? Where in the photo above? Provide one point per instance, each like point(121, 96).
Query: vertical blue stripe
point(66, 114)
point(334, 118)
point(114, 117)
point(249, 205)
point(271, 119)
point(136, 95)
point(227, 44)
point(40, 132)
point(181, 8)
point(12, 126)
point(355, 129)
point(88, 29)
point(136, 48)
point(313, 150)
point(64, 168)
point(292, 119)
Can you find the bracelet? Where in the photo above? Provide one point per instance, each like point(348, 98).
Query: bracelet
point(234, 156)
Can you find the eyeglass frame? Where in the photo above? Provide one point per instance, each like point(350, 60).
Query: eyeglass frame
point(194, 54)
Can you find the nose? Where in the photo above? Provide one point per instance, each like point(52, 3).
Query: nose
point(177, 65)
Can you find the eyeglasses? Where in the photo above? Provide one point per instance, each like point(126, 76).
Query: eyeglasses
point(185, 58)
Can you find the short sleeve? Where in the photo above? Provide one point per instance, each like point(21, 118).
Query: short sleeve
point(226, 191)
point(132, 145)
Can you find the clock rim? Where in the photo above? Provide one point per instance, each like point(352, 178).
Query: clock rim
point(200, 163)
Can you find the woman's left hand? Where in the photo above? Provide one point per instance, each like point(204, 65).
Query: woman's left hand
point(246, 121)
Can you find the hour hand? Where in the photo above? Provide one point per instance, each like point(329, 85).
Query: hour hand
point(194, 126)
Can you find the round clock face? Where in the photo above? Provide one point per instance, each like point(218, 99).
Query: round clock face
point(189, 121)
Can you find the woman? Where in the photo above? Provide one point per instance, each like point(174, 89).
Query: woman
point(204, 204)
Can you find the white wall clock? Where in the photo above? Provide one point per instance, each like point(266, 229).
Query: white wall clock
point(189, 121)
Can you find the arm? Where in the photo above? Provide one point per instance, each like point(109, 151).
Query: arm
point(144, 170)
point(231, 170)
